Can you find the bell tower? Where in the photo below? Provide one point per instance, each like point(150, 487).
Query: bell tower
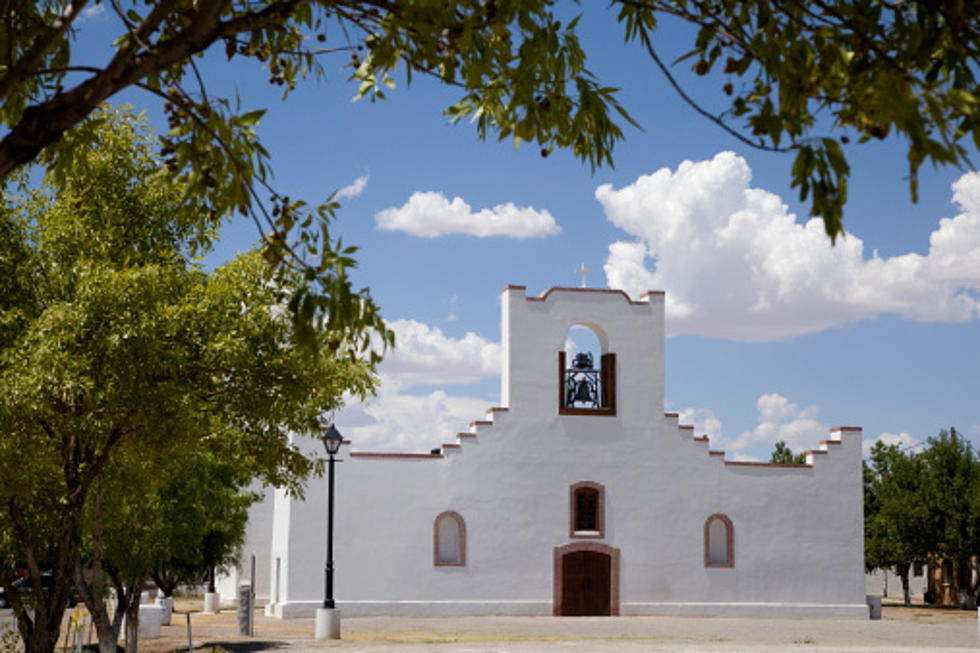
point(624, 379)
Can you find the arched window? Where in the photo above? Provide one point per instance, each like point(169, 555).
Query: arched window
point(719, 538)
point(449, 540)
point(586, 376)
point(587, 510)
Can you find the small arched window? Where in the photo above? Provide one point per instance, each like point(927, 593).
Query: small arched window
point(587, 510)
point(449, 540)
point(719, 539)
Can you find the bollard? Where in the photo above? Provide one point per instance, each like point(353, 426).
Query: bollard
point(212, 602)
point(244, 608)
point(874, 607)
point(190, 640)
point(251, 602)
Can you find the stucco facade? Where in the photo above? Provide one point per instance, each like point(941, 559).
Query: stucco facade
point(784, 540)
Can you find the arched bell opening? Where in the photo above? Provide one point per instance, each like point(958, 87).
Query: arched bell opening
point(587, 373)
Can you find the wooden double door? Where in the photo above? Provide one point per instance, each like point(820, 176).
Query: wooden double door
point(586, 584)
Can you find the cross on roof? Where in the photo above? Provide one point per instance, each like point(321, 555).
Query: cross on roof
point(583, 271)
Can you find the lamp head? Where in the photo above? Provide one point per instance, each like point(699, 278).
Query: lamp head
point(332, 439)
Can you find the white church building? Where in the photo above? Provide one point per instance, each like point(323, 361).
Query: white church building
point(578, 495)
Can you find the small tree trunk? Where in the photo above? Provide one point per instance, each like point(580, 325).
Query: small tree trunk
point(133, 618)
point(92, 588)
point(903, 573)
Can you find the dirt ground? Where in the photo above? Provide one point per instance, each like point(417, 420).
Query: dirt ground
point(901, 629)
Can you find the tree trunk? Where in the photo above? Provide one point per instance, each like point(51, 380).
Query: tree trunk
point(92, 588)
point(903, 573)
point(133, 618)
point(39, 619)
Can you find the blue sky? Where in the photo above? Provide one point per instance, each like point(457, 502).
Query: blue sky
point(774, 334)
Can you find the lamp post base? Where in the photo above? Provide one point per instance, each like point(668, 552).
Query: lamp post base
point(327, 623)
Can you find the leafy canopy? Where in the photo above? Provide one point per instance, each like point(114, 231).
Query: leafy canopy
point(119, 357)
point(783, 455)
point(800, 77)
point(807, 77)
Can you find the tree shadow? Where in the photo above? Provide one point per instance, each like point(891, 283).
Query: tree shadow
point(236, 647)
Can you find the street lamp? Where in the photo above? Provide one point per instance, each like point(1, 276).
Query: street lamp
point(327, 618)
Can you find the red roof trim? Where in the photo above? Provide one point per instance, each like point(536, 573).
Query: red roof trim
point(543, 296)
point(379, 454)
point(746, 463)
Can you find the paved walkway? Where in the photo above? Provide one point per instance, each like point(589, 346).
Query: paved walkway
point(915, 629)
point(901, 629)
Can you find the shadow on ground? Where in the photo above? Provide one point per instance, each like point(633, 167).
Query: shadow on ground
point(235, 647)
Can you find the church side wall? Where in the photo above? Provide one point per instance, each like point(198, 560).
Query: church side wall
point(794, 536)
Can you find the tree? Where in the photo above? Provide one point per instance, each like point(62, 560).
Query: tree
point(898, 524)
point(783, 455)
point(118, 354)
point(802, 78)
point(202, 514)
point(857, 69)
point(194, 522)
point(951, 488)
point(519, 70)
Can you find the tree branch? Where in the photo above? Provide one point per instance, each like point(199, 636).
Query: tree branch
point(44, 123)
point(15, 74)
point(697, 107)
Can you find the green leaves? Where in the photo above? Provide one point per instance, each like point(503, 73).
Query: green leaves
point(119, 355)
point(922, 506)
point(868, 70)
point(521, 72)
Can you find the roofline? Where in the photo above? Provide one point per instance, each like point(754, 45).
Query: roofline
point(612, 291)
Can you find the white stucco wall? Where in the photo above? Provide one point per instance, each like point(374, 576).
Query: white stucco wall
point(798, 544)
point(258, 541)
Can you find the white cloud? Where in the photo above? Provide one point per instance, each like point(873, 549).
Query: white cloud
point(903, 440)
point(424, 355)
point(91, 13)
point(395, 421)
point(779, 419)
point(736, 264)
point(353, 189)
point(430, 214)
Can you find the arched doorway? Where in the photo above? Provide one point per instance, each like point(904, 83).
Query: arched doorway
point(586, 580)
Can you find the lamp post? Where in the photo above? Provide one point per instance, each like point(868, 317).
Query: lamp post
point(328, 617)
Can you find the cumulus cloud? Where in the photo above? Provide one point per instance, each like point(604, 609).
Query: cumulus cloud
point(903, 440)
point(424, 355)
point(353, 189)
point(396, 421)
point(401, 420)
point(430, 214)
point(779, 419)
point(736, 264)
